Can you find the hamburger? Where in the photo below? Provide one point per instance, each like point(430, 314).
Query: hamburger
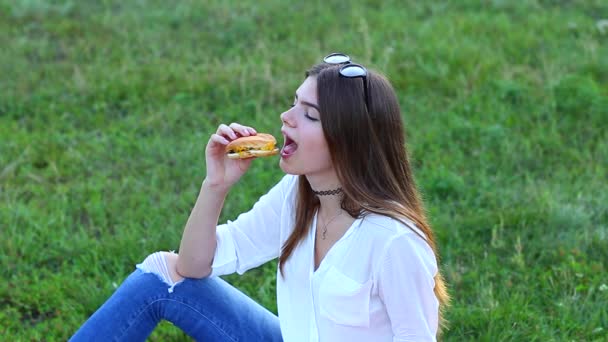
point(260, 145)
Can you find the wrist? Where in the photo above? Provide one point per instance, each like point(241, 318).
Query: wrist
point(214, 188)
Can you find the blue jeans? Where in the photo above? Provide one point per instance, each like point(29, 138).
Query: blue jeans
point(207, 309)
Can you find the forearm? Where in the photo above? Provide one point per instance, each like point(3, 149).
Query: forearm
point(198, 244)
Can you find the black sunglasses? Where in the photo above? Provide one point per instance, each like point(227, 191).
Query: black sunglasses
point(349, 70)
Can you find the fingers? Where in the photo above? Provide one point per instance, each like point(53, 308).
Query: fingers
point(243, 130)
point(227, 133)
point(235, 130)
point(219, 139)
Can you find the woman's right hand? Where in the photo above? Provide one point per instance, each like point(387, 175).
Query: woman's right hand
point(223, 172)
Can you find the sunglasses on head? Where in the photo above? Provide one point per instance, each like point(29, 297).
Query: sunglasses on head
point(349, 70)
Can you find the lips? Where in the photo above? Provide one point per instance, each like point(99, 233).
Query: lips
point(289, 148)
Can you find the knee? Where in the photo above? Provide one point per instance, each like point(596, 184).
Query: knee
point(163, 264)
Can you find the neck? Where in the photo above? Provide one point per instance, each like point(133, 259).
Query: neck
point(329, 204)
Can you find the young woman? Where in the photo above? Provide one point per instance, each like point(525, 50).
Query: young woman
point(357, 259)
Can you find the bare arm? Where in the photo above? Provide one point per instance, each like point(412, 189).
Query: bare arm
point(198, 244)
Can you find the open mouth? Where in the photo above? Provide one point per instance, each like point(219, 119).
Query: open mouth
point(289, 148)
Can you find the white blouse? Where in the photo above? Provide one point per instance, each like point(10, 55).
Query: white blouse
point(374, 284)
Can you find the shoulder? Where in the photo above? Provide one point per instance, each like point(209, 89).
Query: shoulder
point(283, 194)
point(289, 182)
point(398, 238)
point(284, 187)
point(389, 228)
point(290, 187)
point(280, 194)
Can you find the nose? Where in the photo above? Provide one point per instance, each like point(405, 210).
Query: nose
point(287, 118)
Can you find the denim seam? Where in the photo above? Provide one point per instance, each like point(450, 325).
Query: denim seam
point(181, 302)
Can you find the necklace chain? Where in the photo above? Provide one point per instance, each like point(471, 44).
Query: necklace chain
point(327, 192)
point(324, 233)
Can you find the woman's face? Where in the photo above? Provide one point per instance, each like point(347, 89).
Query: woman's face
point(305, 150)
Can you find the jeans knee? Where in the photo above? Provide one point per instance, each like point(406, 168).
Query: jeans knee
point(162, 264)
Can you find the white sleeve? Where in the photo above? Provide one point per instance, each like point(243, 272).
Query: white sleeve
point(406, 282)
point(254, 237)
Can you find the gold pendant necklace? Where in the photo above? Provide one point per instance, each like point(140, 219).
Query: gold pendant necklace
point(324, 233)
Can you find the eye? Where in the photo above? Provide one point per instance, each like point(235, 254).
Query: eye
point(310, 117)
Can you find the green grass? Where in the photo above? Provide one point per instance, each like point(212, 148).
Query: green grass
point(106, 106)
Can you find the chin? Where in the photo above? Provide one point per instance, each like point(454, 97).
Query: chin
point(291, 170)
point(287, 169)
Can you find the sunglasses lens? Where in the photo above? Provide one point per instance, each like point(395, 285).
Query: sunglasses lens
point(337, 58)
point(353, 70)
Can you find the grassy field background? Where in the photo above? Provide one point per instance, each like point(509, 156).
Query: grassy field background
point(106, 106)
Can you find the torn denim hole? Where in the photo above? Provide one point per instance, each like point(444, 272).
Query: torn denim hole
point(157, 264)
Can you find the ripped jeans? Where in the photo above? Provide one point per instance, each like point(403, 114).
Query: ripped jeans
point(207, 309)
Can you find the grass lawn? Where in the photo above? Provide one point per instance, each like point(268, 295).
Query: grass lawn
point(106, 107)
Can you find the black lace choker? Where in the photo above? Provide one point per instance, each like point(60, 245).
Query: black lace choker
point(327, 192)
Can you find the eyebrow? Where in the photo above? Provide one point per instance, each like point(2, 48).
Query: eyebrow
point(309, 104)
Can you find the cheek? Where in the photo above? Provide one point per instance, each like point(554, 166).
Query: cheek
point(319, 148)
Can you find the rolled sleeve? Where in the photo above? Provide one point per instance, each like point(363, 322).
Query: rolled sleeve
point(224, 261)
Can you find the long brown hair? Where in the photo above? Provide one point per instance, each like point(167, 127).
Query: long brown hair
point(370, 158)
